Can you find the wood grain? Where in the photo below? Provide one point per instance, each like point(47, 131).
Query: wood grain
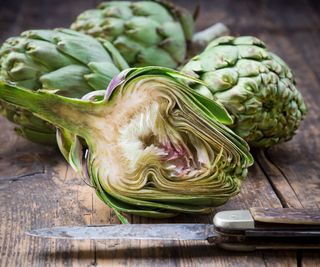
point(38, 189)
point(286, 216)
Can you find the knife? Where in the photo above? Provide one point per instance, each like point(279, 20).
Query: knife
point(240, 230)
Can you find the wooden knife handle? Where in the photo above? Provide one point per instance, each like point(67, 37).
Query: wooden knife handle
point(252, 246)
point(286, 216)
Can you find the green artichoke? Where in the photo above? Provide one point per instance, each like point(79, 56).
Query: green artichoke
point(254, 85)
point(150, 145)
point(145, 32)
point(63, 61)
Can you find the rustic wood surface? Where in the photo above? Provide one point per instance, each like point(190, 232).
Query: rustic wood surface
point(38, 189)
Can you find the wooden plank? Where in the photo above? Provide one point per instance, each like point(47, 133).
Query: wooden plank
point(28, 193)
point(48, 193)
point(47, 199)
point(293, 168)
point(57, 197)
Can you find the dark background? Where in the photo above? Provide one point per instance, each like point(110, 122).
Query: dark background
point(254, 17)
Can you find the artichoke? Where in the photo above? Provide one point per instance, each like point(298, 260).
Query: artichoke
point(254, 85)
point(150, 145)
point(145, 32)
point(63, 61)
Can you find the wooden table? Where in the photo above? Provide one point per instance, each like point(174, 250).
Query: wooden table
point(38, 189)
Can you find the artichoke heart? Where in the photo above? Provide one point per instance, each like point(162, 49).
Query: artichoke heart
point(151, 147)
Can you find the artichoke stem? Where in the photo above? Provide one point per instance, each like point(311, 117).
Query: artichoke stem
point(202, 38)
point(61, 111)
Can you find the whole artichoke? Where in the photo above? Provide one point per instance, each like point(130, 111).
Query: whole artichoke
point(255, 86)
point(150, 145)
point(63, 61)
point(145, 32)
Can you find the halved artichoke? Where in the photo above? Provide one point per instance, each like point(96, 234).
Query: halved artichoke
point(255, 86)
point(66, 62)
point(150, 145)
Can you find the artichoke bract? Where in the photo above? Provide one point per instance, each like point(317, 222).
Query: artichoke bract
point(150, 145)
point(63, 61)
point(255, 86)
point(145, 32)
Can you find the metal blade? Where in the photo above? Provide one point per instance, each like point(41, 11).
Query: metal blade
point(129, 231)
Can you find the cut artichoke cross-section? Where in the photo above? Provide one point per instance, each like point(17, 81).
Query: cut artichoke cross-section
point(154, 147)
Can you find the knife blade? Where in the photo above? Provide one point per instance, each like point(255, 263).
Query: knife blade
point(256, 228)
point(231, 219)
point(129, 231)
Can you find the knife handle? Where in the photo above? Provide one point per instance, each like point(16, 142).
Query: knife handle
point(263, 240)
point(266, 217)
point(286, 216)
point(252, 246)
point(268, 228)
